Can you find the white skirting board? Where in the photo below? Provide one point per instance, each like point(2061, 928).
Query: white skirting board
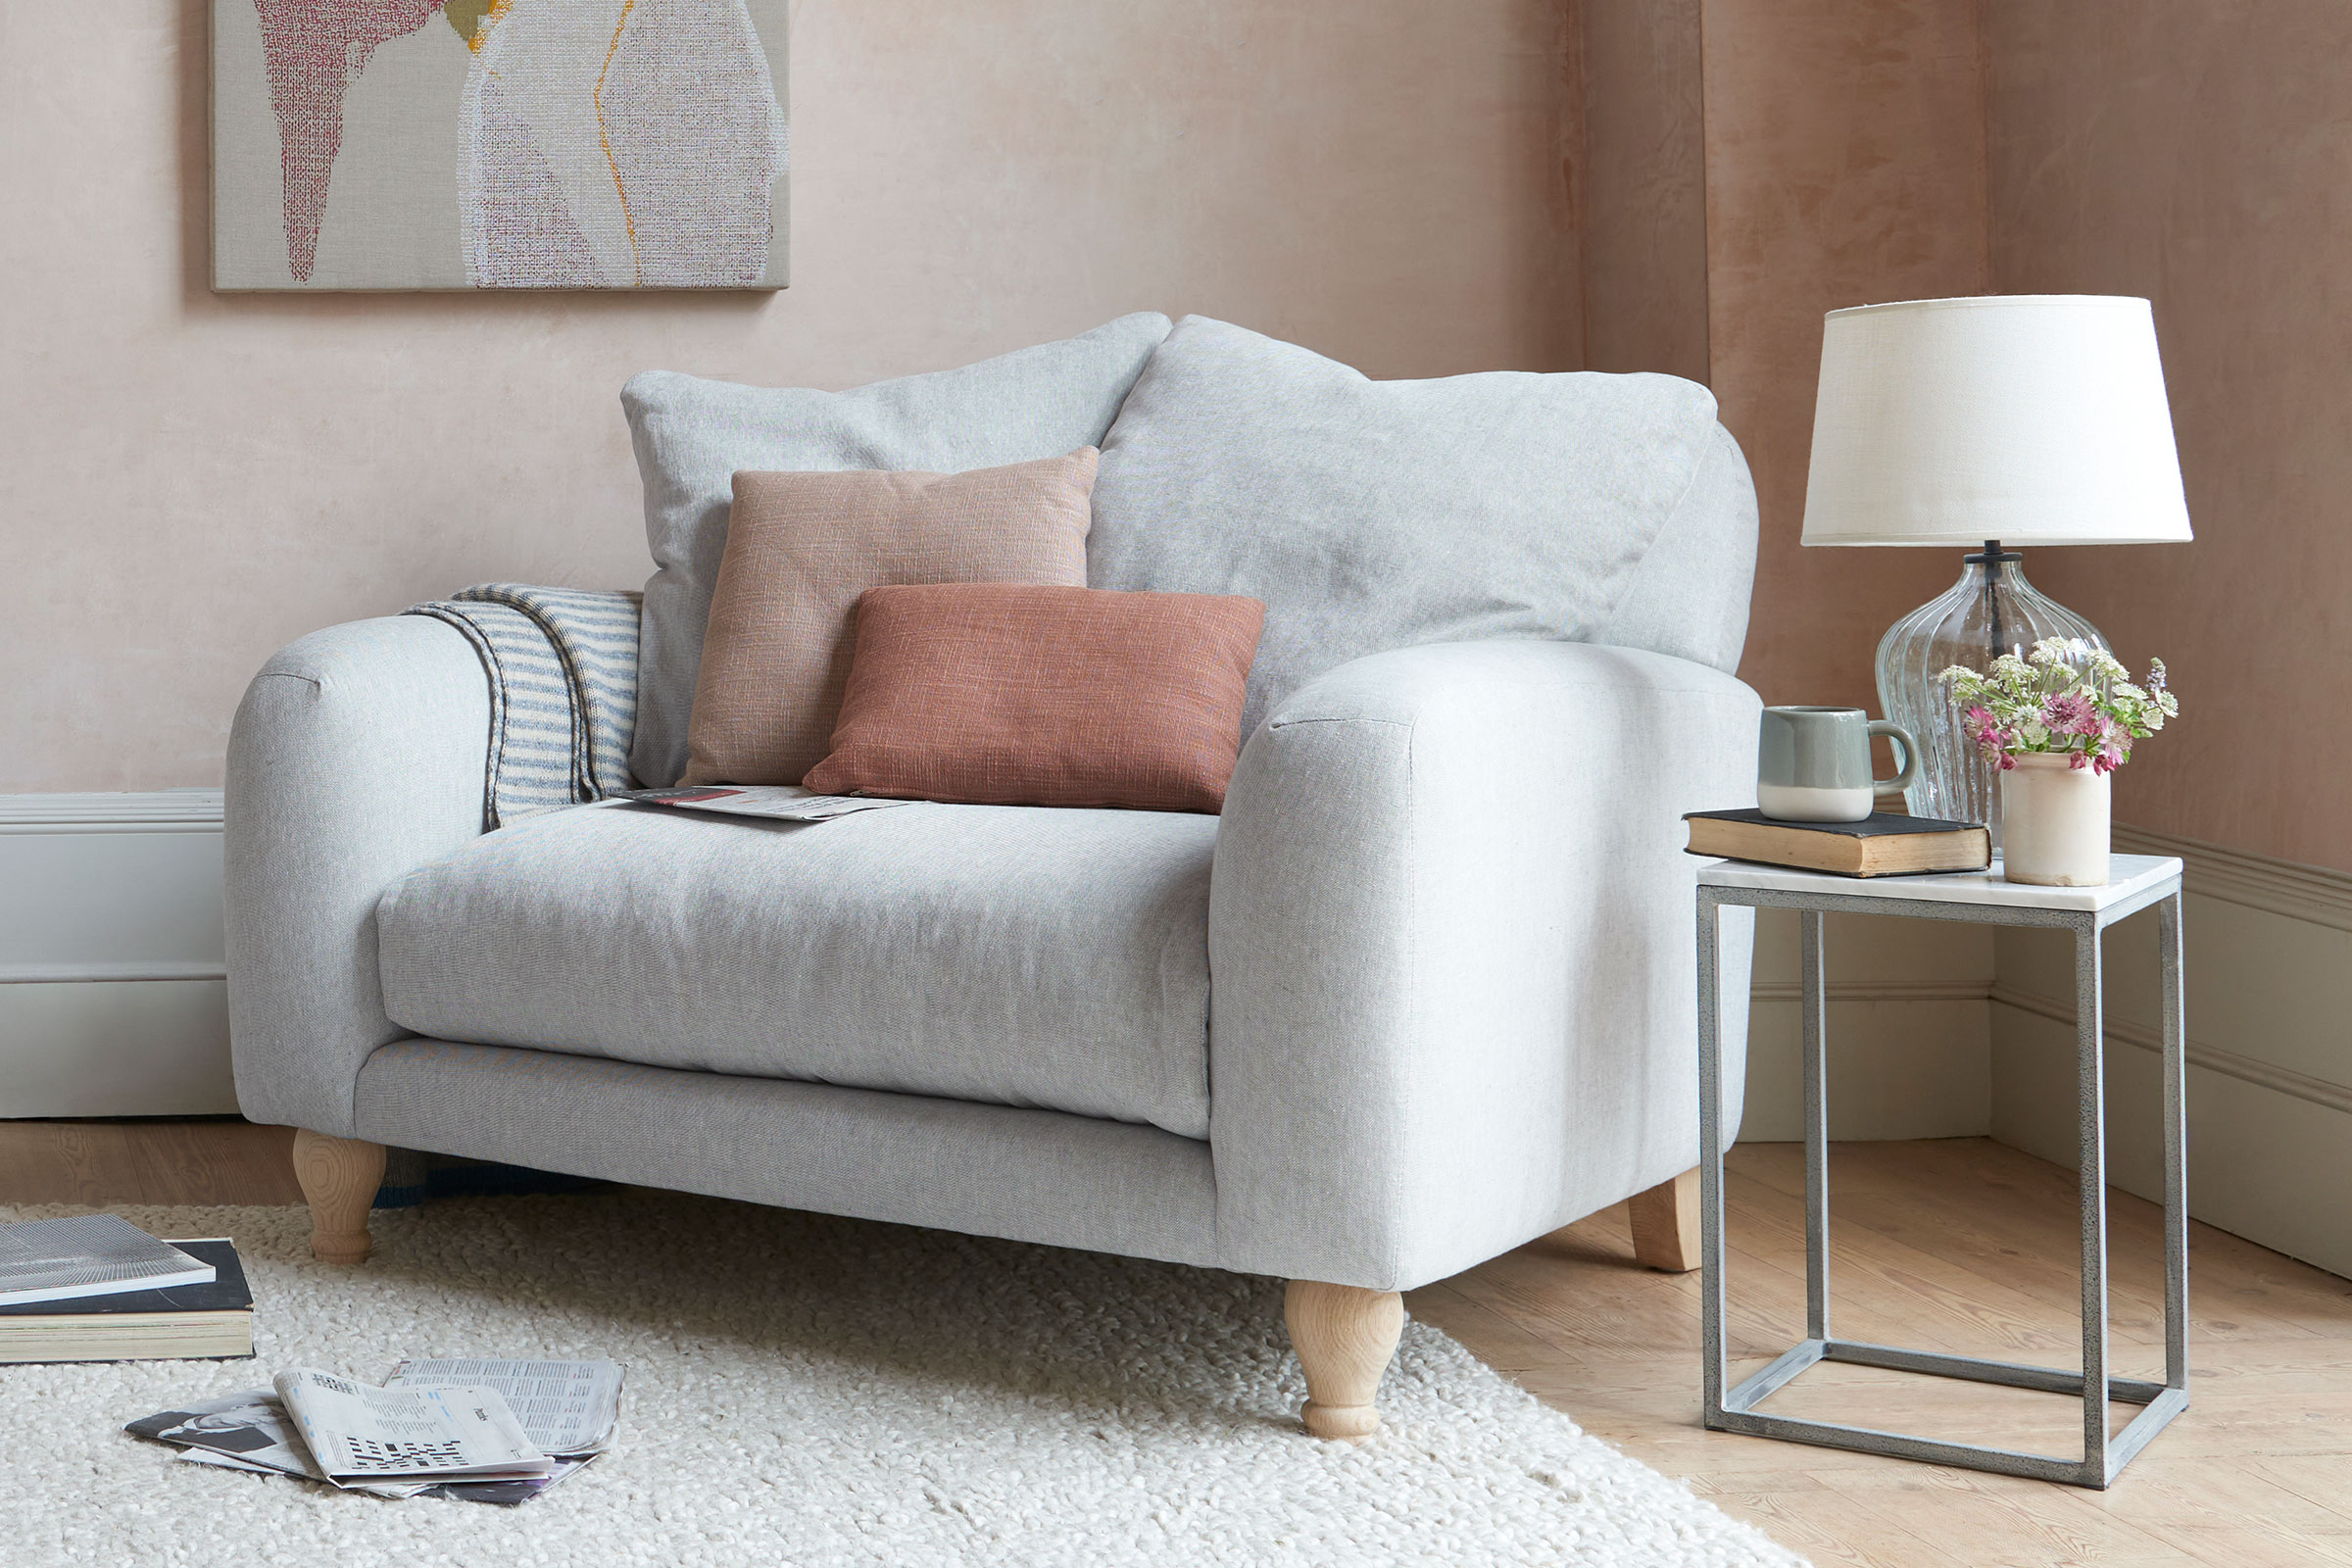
point(113, 1004)
point(1940, 1031)
point(2267, 954)
point(112, 1001)
point(1909, 1030)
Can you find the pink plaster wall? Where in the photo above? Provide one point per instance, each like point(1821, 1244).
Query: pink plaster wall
point(1645, 233)
point(1845, 166)
point(188, 480)
point(2199, 152)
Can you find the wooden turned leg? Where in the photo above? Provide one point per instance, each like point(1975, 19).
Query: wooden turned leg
point(1666, 1224)
point(340, 1177)
point(1344, 1336)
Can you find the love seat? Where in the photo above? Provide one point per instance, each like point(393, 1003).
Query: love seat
point(1422, 992)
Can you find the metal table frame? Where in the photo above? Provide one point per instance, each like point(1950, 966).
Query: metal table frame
point(2103, 1456)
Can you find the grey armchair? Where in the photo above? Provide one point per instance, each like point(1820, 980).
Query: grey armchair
point(1445, 913)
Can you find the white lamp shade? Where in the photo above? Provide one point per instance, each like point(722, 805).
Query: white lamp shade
point(2030, 419)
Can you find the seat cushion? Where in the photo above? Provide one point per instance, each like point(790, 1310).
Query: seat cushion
point(1007, 954)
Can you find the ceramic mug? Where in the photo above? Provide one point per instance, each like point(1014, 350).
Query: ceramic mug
point(1813, 763)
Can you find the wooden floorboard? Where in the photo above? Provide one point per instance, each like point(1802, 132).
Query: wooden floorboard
point(1960, 1246)
point(1956, 1245)
point(219, 1160)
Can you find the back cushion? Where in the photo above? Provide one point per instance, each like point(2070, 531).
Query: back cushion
point(802, 547)
point(1376, 514)
point(692, 435)
point(1004, 694)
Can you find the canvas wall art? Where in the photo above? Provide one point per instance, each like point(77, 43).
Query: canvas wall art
point(454, 144)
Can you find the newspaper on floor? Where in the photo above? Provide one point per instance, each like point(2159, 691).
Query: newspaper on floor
point(250, 1427)
point(504, 1492)
point(781, 803)
point(567, 1409)
point(508, 1493)
point(375, 1489)
point(223, 1461)
point(356, 1432)
point(247, 1431)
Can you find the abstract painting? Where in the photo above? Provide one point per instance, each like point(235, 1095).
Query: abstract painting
point(452, 144)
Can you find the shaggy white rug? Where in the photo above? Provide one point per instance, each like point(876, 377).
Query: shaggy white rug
point(810, 1391)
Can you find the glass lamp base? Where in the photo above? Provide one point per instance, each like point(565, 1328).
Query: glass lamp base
point(1989, 612)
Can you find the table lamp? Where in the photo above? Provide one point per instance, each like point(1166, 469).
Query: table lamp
point(1997, 420)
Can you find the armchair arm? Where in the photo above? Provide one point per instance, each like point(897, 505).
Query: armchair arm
point(1451, 932)
point(358, 755)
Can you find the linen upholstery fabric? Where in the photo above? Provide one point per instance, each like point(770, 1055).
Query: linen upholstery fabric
point(691, 436)
point(1378, 514)
point(802, 547)
point(1004, 955)
point(1450, 927)
point(1449, 922)
point(1011, 695)
point(1690, 596)
point(988, 1170)
point(1451, 934)
point(357, 755)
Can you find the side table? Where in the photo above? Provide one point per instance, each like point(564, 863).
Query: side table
point(2136, 882)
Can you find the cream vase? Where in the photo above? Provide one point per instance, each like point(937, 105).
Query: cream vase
point(2053, 822)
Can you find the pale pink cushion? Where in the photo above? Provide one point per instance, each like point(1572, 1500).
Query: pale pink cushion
point(802, 547)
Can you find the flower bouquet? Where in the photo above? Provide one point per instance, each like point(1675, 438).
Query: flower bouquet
point(2057, 723)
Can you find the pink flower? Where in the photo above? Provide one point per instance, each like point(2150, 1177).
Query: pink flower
point(2112, 748)
point(1988, 735)
point(2077, 760)
point(2072, 713)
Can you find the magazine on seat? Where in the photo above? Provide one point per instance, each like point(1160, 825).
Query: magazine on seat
point(780, 802)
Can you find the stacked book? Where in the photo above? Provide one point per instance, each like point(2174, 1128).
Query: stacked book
point(96, 1288)
point(1882, 844)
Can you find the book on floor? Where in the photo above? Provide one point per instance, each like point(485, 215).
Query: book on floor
point(89, 1255)
point(209, 1318)
point(1882, 844)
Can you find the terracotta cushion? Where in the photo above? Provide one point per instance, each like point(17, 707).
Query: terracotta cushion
point(1017, 696)
point(802, 547)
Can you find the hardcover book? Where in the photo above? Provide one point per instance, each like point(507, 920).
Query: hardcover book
point(211, 1318)
point(1882, 844)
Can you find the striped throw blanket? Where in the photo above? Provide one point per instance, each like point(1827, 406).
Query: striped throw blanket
point(561, 664)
